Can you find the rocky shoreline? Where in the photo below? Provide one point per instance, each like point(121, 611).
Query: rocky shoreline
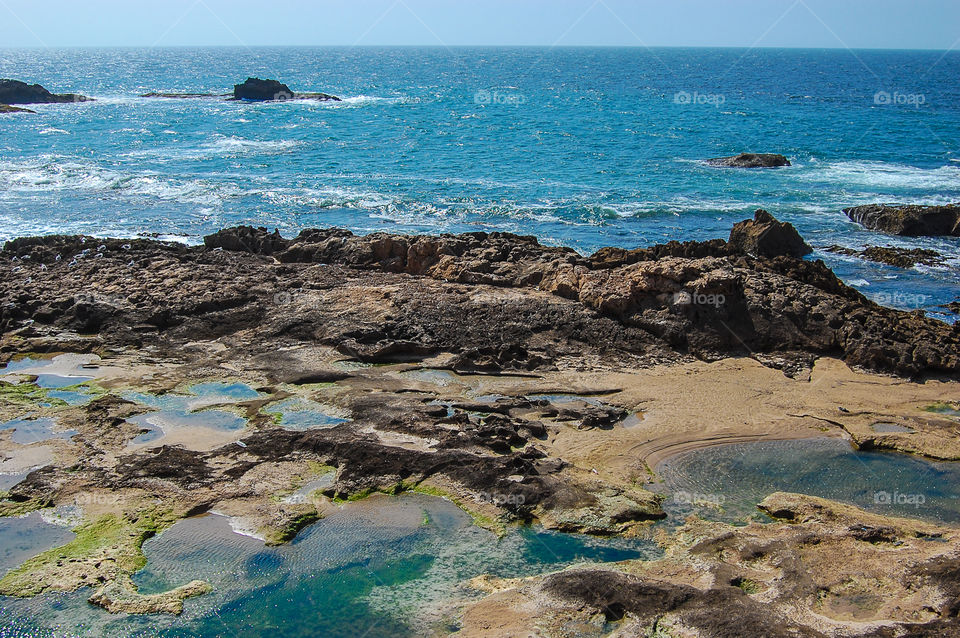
point(525, 383)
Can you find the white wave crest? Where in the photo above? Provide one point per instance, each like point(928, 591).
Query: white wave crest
point(882, 175)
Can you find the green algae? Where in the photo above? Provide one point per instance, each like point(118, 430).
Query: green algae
point(107, 547)
point(27, 395)
point(289, 531)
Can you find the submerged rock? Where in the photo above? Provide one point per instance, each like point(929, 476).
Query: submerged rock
point(764, 236)
point(182, 96)
point(121, 596)
point(257, 90)
point(908, 220)
point(750, 160)
point(16, 92)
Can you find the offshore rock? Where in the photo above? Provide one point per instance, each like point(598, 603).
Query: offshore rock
point(16, 92)
point(908, 220)
point(750, 160)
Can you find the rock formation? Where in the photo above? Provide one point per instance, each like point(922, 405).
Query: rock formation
point(5, 108)
point(764, 236)
point(16, 92)
point(908, 220)
point(750, 160)
point(257, 90)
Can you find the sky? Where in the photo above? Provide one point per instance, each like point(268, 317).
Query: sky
point(882, 24)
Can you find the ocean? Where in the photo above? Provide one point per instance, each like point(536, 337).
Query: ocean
point(585, 147)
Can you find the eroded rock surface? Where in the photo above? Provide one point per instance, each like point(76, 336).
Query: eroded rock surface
point(447, 357)
point(824, 570)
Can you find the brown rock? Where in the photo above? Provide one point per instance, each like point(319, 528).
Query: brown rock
point(764, 236)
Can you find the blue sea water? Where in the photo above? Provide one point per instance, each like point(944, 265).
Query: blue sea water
point(581, 147)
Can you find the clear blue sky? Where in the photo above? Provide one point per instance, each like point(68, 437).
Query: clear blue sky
point(931, 24)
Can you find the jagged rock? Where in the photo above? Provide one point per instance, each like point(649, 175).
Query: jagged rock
point(16, 92)
point(764, 236)
point(247, 239)
point(908, 220)
point(750, 160)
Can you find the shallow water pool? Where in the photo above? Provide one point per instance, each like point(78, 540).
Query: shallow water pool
point(727, 481)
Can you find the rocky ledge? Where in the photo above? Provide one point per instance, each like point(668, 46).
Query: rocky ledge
point(750, 160)
point(16, 92)
point(908, 220)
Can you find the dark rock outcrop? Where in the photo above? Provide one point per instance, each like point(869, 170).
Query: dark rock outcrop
point(764, 236)
point(257, 90)
point(16, 92)
point(262, 90)
point(247, 239)
point(892, 256)
point(6, 108)
point(908, 220)
point(750, 160)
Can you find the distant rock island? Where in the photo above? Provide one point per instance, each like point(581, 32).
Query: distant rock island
point(750, 160)
point(908, 220)
point(253, 90)
point(17, 92)
point(257, 90)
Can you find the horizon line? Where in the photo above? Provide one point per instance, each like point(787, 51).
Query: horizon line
point(469, 46)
